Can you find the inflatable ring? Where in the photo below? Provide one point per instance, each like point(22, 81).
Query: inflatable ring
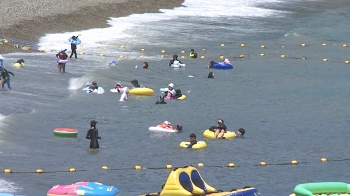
point(65, 132)
point(183, 97)
point(141, 91)
point(160, 129)
point(222, 65)
point(62, 61)
point(177, 65)
point(210, 134)
point(199, 145)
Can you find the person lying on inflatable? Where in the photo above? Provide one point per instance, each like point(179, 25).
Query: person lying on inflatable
point(167, 125)
point(19, 63)
point(226, 61)
point(211, 64)
point(173, 60)
point(92, 87)
point(123, 90)
point(219, 130)
point(193, 140)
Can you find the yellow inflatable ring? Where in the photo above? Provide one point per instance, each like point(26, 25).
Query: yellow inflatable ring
point(183, 97)
point(210, 134)
point(141, 91)
point(199, 145)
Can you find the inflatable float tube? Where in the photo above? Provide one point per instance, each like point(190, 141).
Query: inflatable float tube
point(141, 91)
point(177, 65)
point(183, 97)
point(62, 61)
point(99, 91)
point(18, 65)
point(222, 65)
point(75, 42)
point(65, 132)
point(318, 188)
point(83, 188)
point(199, 145)
point(163, 130)
point(210, 134)
point(163, 90)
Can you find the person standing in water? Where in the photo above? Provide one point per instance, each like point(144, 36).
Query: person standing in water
point(4, 74)
point(74, 41)
point(92, 135)
point(62, 55)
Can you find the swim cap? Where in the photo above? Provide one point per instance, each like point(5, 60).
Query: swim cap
point(167, 123)
point(114, 61)
point(193, 135)
point(171, 85)
point(93, 122)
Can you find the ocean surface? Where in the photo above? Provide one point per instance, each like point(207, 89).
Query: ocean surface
point(291, 109)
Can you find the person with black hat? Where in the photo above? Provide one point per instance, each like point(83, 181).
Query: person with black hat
point(193, 140)
point(92, 135)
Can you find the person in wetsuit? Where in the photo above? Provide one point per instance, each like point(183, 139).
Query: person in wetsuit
point(211, 75)
point(219, 130)
point(240, 132)
point(92, 135)
point(193, 140)
point(174, 59)
point(211, 64)
point(4, 74)
point(74, 41)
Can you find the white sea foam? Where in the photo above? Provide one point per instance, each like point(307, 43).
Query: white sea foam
point(77, 83)
point(122, 27)
point(8, 187)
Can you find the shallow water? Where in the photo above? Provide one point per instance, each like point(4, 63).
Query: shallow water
point(290, 108)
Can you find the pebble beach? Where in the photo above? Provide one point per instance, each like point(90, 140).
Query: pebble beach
point(27, 21)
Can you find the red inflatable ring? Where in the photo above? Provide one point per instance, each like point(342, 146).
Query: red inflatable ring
point(65, 132)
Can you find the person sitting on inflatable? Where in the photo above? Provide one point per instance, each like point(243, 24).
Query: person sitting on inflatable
point(123, 90)
point(170, 94)
point(193, 54)
point(240, 132)
point(227, 61)
point(219, 129)
point(93, 86)
point(19, 63)
point(193, 140)
point(173, 60)
point(211, 64)
point(166, 125)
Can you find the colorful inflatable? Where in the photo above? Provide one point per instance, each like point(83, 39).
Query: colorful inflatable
point(210, 134)
point(61, 60)
point(187, 181)
point(322, 188)
point(18, 65)
point(65, 132)
point(83, 188)
point(199, 145)
point(141, 91)
point(75, 42)
point(160, 129)
point(222, 65)
point(177, 64)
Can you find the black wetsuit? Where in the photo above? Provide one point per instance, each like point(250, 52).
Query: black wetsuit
point(93, 87)
point(92, 135)
point(6, 77)
point(191, 144)
point(178, 93)
point(220, 127)
point(172, 62)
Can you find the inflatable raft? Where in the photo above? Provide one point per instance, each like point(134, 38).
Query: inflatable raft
point(199, 145)
point(141, 91)
point(62, 61)
point(99, 91)
point(222, 65)
point(65, 132)
point(160, 129)
point(83, 188)
point(187, 181)
point(210, 134)
point(322, 188)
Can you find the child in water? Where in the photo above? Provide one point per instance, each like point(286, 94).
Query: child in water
point(193, 140)
point(240, 132)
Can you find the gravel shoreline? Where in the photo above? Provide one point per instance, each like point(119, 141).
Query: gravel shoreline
point(28, 21)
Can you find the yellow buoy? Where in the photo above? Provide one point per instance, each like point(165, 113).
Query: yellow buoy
point(7, 171)
point(344, 45)
point(39, 171)
point(221, 57)
point(241, 56)
point(242, 45)
point(262, 54)
point(324, 44)
point(294, 162)
point(325, 60)
point(105, 167)
point(122, 46)
point(282, 56)
point(303, 45)
point(72, 169)
point(121, 56)
point(182, 51)
point(200, 164)
point(5, 41)
point(142, 49)
point(101, 54)
point(100, 46)
point(42, 50)
point(323, 160)
point(81, 52)
point(282, 46)
point(346, 62)
point(182, 57)
point(262, 163)
point(137, 167)
point(163, 51)
point(222, 45)
point(168, 167)
point(141, 56)
point(303, 57)
point(262, 46)
point(202, 57)
point(231, 165)
point(203, 49)
point(162, 56)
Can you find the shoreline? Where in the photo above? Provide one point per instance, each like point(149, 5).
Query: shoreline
point(91, 15)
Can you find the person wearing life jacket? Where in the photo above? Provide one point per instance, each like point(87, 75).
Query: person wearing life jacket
point(227, 61)
point(62, 55)
point(170, 94)
point(19, 63)
point(4, 74)
point(193, 54)
point(123, 90)
point(174, 59)
point(74, 41)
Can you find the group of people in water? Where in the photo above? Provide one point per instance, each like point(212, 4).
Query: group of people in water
point(62, 56)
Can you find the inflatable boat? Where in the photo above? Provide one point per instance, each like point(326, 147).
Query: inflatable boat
point(322, 188)
point(222, 65)
point(210, 134)
point(187, 181)
point(83, 188)
point(99, 91)
point(199, 145)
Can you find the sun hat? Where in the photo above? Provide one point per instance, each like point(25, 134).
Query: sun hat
point(171, 85)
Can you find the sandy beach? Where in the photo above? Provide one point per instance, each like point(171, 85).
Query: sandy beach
point(27, 21)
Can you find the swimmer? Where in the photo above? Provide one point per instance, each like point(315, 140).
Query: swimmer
point(219, 130)
point(92, 135)
point(4, 74)
point(19, 63)
point(173, 60)
point(123, 90)
point(113, 63)
point(167, 125)
point(193, 54)
point(211, 75)
point(211, 64)
point(145, 65)
point(240, 132)
point(193, 140)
